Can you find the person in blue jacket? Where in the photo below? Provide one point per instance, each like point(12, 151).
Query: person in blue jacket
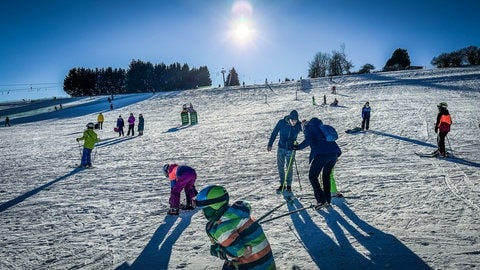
point(366, 116)
point(120, 125)
point(323, 156)
point(288, 127)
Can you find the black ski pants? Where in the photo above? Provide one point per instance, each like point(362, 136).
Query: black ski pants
point(322, 164)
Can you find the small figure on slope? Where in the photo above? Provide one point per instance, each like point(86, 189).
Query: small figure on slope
point(131, 124)
point(90, 138)
point(442, 127)
point(234, 234)
point(100, 120)
point(120, 125)
point(366, 116)
point(181, 178)
point(141, 125)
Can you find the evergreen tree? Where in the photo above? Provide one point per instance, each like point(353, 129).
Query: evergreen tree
point(399, 60)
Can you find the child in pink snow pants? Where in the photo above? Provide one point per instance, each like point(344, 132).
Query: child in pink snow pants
point(181, 178)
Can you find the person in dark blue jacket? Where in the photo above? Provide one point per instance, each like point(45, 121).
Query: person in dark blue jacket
point(120, 125)
point(366, 116)
point(323, 156)
point(288, 127)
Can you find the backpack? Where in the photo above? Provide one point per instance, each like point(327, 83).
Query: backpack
point(329, 132)
point(445, 123)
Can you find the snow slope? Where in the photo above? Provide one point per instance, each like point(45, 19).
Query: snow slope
point(401, 211)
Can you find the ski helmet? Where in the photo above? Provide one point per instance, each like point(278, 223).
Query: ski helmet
point(211, 199)
point(165, 169)
point(443, 105)
point(90, 125)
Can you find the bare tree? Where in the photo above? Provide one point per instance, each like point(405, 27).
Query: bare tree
point(319, 65)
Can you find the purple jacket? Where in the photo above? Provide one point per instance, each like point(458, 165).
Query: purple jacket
point(131, 120)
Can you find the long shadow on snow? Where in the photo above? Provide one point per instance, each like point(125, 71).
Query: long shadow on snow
point(21, 198)
point(112, 141)
point(156, 254)
point(174, 129)
point(454, 160)
point(422, 143)
point(382, 250)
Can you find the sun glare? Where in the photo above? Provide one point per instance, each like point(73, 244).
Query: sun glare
point(242, 31)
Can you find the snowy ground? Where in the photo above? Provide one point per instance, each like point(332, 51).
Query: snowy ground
point(402, 211)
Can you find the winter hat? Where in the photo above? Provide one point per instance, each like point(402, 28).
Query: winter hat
point(293, 115)
point(165, 169)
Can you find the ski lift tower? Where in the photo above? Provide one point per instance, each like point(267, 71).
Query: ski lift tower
point(223, 76)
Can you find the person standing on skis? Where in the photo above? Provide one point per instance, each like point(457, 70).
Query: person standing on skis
point(442, 127)
point(181, 178)
point(323, 156)
point(234, 235)
point(288, 127)
point(90, 138)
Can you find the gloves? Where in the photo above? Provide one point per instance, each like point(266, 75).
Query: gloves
point(269, 148)
point(295, 145)
point(77, 139)
point(218, 251)
point(436, 129)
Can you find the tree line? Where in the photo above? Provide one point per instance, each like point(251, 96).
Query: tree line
point(139, 77)
point(336, 63)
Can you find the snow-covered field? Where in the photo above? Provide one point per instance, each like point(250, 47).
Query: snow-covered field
point(401, 211)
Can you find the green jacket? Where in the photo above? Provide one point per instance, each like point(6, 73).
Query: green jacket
point(90, 138)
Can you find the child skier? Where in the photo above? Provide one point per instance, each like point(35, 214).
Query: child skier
point(444, 121)
point(234, 234)
point(90, 138)
point(181, 178)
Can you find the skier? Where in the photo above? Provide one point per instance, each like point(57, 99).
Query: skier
point(444, 121)
point(366, 116)
point(141, 124)
point(131, 124)
point(181, 178)
point(120, 125)
point(100, 120)
point(289, 127)
point(323, 156)
point(234, 234)
point(7, 121)
point(90, 138)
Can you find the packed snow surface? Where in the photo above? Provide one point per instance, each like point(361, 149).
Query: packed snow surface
point(400, 212)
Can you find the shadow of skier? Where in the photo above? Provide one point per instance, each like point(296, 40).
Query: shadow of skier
point(383, 250)
point(324, 251)
point(21, 198)
point(156, 254)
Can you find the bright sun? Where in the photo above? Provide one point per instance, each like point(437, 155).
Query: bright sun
point(242, 31)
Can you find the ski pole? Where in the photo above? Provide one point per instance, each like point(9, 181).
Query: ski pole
point(271, 211)
point(298, 175)
point(449, 145)
point(288, 213)
point(292, 157)
point(79, 148)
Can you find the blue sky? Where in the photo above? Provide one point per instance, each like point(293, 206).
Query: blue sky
point(42, 40)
